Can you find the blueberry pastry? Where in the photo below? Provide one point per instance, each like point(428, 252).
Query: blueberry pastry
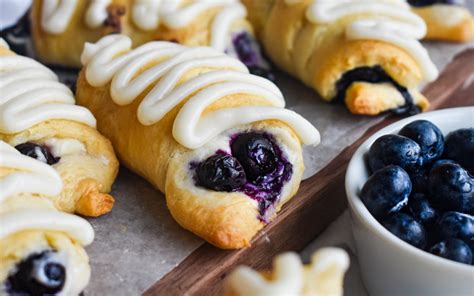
point(60, 28)
point(365, 54)
point(193, 122)
point(447, 20)
point(38, 117)
point(41, 249)
point(323, 276)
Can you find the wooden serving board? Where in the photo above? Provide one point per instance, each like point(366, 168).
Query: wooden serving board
point(319, 201)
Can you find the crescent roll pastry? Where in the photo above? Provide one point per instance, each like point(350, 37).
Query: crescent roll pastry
point(361, 52)
point(38, 117)
point(61, 27)
point(41, 249)
point(324, 276)
point(194, 123)
point(446, 20)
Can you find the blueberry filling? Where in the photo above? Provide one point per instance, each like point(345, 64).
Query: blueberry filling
point(248, 51)
point(374, 75)
point(38, 152)
point(421, 3)
point(39, 274)
point(255, 167)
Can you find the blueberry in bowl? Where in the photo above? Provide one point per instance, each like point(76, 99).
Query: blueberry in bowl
point(402, 249)
point(428, 136)
point(394, 150)
point(451, 188)
point(386, 191)
point(460, 148)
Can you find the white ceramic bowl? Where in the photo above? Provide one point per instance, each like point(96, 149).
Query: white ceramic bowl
point(390, 266)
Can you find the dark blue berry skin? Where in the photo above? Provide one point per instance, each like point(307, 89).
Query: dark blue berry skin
point(457, 225)
point(460, 148)
point(256, 153)
point(421, 3)
point(386, 191)
point(221, 172)
point(38, 152)
point(406, 228)
point(453, 249)
point(451, 188)
point(39, 274)
point(419, 178)
point(420, 208)
point(394, 150)
point(428, 136)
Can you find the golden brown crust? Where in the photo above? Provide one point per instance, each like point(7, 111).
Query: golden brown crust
point(65, 48)
point(227, 220)
point(92, 202)
point(438, 29)
point(98, 164)
point(320, 54)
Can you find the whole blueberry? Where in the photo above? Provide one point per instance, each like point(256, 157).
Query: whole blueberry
point(428, 136)
point(38, 152)
point(460, 148)
point(386, 191)
point(453, 249)
point(420, 208)
point(396, 150)
point(457, 225)
point(451, 188)
point(220, 172)
point(256, 153)
point(39, 274)
point(406, 228)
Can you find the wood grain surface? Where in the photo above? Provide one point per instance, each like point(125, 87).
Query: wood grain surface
point(319, 201)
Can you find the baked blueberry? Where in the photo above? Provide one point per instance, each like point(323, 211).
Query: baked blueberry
point(220, 172)
point(460, 148)
point(39, 152)
point(453, 249)
point(451, 188)
point(428, 136)
point(406, 228)
point(394, 150)
point(256, 153)
point(457, 225)
point(262, 72)
point(420, 208)
point(386, 191)
point(39, 274)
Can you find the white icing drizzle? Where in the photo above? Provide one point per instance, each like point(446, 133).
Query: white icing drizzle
point(389, 21)
point(31, 176)
point(192, 130)
point(96, 13)
point(32, 94)
point(289, 277)
point(56, 15)
point(148, 15)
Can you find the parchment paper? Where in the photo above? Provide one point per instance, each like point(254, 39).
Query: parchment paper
point(138, 243)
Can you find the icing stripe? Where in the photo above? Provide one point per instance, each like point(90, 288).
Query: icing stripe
point(29, 176)
point(224, 76)
point(35, 219)
point(32, 94)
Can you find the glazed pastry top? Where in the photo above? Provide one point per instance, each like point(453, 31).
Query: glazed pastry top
point(227, 76)
point(26, 175)
point(32, 94)
point(148, 15)
point(290, 277)
point(389, 21)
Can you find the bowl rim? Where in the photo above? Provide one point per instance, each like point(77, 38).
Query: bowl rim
point(358, 208)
